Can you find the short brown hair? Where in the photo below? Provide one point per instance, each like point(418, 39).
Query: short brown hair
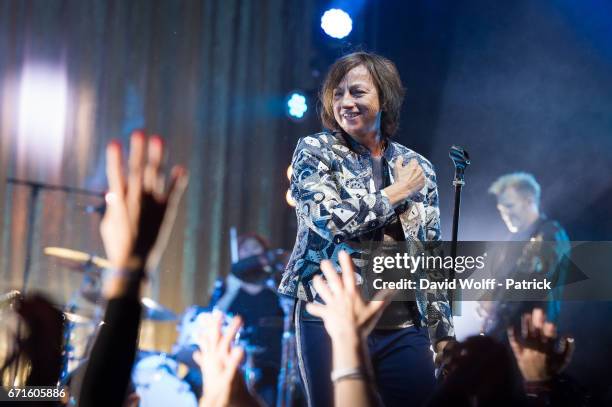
point(386, 79)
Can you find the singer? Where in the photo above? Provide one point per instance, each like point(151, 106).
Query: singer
point(352, 184)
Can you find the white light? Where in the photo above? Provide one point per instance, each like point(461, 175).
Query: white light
point(42, 115)
point(289, 172)
point(336, 23)
point(297, 105)
point(290, 201)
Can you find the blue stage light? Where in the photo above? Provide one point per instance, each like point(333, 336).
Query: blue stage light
point(297, 105)
point(336, 23)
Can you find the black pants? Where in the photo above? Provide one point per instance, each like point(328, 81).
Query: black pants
point(401, 358)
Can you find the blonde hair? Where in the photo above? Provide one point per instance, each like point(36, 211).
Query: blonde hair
point(523, 182)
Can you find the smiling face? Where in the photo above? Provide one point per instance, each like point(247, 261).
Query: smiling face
point(356, 103)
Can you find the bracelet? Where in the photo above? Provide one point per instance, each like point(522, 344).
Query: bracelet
point(349, 373)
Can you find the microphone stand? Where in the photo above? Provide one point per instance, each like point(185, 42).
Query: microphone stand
point(461, 160)
point(35, 188)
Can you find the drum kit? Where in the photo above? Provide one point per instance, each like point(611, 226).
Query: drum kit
point(158, 378)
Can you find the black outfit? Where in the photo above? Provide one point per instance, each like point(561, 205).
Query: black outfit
point(108, 373)
point(544, 254)
point(399, 347)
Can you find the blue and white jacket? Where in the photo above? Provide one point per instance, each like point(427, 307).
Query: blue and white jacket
point(337, 204)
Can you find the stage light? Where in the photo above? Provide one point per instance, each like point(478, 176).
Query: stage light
point(297, 105)
point(289, 172)
point(336, 23)
point(42, 115)
point(290, 201)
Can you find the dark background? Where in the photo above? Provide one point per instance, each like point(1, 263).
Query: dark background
point(522, 85)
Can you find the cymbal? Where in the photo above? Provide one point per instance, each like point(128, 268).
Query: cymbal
point(76, 256)
point(154, 311)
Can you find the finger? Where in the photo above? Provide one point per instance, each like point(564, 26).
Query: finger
point(568, 344)
point(421, 174)
point(197, 357)
point(232, 362)
point(348, 272)
point(516, 348)
point(212, 331)
point(230, 334)
point(135, 175)
point(398, 165)
point(400, 162)
point(331, 275)
point(235, 358)
point(375, 308)
point(538, 318)
point(179, 178)
point(114, 169)
point(549, 330)
point(525, 325)
point(178, 185)
point(384, 296)
point(153, 167)
point(317, 310)
point(322, 289)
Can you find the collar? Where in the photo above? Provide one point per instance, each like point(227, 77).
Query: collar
point(360, 149)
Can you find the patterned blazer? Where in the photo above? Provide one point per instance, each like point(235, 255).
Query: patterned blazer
point(337, 205)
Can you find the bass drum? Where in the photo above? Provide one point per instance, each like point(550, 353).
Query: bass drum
point(157, 384)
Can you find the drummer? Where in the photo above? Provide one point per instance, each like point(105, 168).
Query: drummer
point(249, 291)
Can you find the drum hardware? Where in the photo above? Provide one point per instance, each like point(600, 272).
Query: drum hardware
point(154, 311)
point(250, 371)
point(288, 377)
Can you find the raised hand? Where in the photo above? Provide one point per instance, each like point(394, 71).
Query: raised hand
point(540, 354)
point(345, 313)
point(348, 320)
point(220, 364)
point(140, 208)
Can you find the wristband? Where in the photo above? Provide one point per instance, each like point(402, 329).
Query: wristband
point(129, 274)
point(354, 373)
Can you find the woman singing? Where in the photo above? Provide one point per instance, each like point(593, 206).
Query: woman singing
point(354, 184)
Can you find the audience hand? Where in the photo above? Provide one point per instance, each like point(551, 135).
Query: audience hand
point(220, 364)
point(139, 204)
point(140, 209)
point(348, 320)
point(345, 313)
point(538, 352)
